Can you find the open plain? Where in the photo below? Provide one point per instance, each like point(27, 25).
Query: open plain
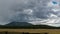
point(49, 31)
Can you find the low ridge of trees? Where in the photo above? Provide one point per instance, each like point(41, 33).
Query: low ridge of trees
point(29, 27)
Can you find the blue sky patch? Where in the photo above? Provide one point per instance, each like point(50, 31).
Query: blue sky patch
point(54, 2)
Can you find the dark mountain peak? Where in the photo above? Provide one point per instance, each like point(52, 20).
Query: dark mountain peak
point(19, 24)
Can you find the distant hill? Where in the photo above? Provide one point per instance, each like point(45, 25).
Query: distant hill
point(19, 24)
point(26, 25)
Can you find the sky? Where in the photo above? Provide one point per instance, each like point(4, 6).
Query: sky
point(36, 12)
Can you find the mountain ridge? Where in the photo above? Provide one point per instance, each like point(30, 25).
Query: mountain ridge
point(26, 25)
point(19, 24)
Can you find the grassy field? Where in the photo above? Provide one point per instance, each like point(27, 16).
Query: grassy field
point(49, 31)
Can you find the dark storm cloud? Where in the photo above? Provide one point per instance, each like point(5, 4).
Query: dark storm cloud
point(10, 8)
point(24, 10)
point(39, 8)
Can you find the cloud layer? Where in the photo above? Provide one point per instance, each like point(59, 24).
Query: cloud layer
point(32, 11)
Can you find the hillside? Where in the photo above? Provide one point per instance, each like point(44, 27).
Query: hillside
point(18, 24)
point(25, 25)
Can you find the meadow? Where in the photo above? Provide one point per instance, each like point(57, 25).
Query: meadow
point(49, 31)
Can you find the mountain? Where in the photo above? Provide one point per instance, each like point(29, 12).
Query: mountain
point(26, 25)
point(19, 24)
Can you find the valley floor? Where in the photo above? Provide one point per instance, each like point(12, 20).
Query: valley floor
point(49, 31)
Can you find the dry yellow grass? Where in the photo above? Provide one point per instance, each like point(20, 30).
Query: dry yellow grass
point(49, 31)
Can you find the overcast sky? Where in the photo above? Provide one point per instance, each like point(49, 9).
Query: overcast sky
point(32, 11)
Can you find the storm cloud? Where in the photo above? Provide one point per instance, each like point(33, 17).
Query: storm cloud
point(31, 11)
